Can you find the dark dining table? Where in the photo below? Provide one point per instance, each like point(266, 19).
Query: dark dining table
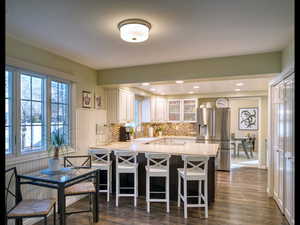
point(60, 180)
point(243, 142)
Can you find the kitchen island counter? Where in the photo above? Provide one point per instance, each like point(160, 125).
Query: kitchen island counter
point(173, 145)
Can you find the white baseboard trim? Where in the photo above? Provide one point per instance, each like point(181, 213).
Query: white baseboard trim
point(70, 201)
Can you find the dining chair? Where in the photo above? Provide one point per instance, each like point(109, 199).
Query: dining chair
point(82, 188)
point(195, 169)
point(17, 208)
point(157, 166)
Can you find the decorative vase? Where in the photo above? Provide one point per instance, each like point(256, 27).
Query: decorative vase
point(53, 164)
point(160, 133)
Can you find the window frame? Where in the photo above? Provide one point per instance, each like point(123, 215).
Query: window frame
point(16, 155)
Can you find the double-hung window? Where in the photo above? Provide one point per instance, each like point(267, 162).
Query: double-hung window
point(36, 105)
point(8, 112)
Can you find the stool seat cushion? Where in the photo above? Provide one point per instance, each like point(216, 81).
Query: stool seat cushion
point(101, 165)
point(34, 207)
point(81, 188)
point(156, 170)
point(192, 173)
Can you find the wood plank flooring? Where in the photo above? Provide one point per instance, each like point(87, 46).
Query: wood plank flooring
point(241, 199)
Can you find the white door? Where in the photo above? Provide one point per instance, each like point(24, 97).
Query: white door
point(277, 140)
point(289, 156)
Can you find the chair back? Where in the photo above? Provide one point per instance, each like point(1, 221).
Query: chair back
point(125, 158)
point(11, 193)
point(158, 160)
point(197, 163)
point(100, 155)
point(78, 161)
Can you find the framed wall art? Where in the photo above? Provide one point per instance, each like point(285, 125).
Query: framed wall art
point(248, 118)
point(86, 99)
point(97, 102)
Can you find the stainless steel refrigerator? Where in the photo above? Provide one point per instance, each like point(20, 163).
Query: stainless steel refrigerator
point(213, 126)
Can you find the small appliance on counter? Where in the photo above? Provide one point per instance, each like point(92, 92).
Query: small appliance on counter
point(124, 134)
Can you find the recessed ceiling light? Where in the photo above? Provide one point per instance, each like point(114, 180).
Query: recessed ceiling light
point(191, 92)
point(196, 87)
point(239, 84)
point(145, 84)
point(152, 89)
point(134, 30)
point(237, 89)
point(179, 81)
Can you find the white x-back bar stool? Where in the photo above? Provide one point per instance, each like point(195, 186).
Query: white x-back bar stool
point(101, 160)
point(126, 162)
point(157, 166)
point(195, 168)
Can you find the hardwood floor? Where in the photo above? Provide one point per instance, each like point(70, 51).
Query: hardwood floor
point(241, 199)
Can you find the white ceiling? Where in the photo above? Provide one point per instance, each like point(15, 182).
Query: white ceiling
point(209, 86)
point(86, 31)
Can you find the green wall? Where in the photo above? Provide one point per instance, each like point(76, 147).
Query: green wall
point(256, 64)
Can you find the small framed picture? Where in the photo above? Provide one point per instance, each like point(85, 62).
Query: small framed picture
point(86, 99)
point(97, 102)
point(248, 119)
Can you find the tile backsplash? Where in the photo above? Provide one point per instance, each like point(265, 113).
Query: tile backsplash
point(171, 129)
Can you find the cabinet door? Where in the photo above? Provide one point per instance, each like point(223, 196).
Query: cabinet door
point(189, 110)
point(146, 111)
point(160, 109)
point(122, 107)
point(174, 110)
point(289, 155)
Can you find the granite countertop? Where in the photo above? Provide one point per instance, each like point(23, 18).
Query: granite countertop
point(144, 145)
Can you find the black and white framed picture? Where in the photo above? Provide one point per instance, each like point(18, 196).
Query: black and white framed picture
point(248, 118)
point(86, 99)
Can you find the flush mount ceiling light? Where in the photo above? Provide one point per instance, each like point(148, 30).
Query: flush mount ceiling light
point(134, 30)
point(237, 89)
point(179, 81)
point(239, 84)
point(145, 84)
point(196, 87)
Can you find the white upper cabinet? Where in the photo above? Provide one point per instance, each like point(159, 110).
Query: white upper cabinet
point(182, 110)
point(158, 109)
point(120, 105)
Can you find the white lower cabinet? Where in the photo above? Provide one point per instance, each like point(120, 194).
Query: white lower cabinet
point(282, 142)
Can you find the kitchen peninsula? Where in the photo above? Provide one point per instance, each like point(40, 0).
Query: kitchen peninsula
point(173, 145)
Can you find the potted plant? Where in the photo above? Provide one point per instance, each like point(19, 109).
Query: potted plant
point(57, 145)
point(131, 132)
point(159, 131)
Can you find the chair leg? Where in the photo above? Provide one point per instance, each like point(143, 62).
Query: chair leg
point(45, 220)
point(54, 214)
point(117, 189)
point(167, 193)
point(200, 191)
point(148, 192)
point(179, 190)
point(108, 184)
point(135, 188)
point(205, 197)
point(185, 197)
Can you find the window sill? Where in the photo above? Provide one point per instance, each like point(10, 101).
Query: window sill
point(13, 160)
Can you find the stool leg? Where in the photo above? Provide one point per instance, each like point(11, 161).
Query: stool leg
point(167, 194)
point(54, 214)
point(179, 190)
point(117, 189)
point(200, 191)
point(185, 197)
point(148, 192)
point(135, 188)
point(205, 197)
point(108, 183)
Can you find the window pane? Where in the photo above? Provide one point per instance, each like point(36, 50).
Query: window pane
point(25, 138)
point(63, 93)
point(25, 112)
point(25, 87)
point(63, 114)
point(37, 113)
point(7, 144)
point(54, 91)
point(37, 136)
point(7, 112)
point(54, 113)
point(36, 89)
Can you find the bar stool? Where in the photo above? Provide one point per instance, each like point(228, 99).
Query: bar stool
point(157, 166)
point(101, 160)
point(126, 163)
point(195, 168)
